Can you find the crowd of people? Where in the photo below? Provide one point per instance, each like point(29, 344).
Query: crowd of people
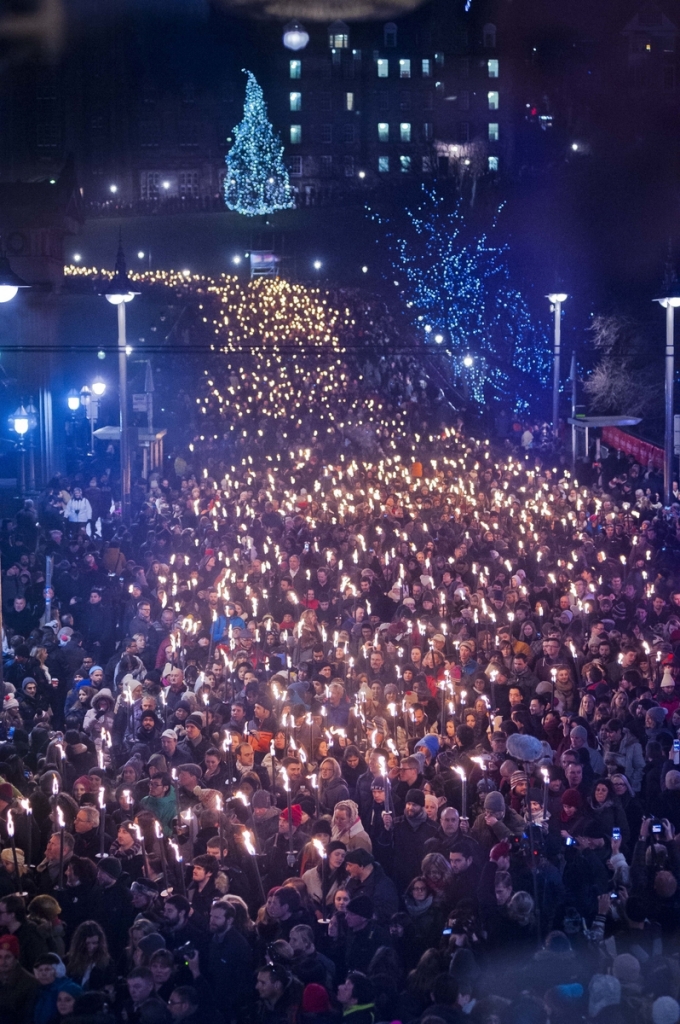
point(358, 720)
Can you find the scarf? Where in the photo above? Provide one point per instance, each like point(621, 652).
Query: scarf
point(416, 908)
point(418, 820)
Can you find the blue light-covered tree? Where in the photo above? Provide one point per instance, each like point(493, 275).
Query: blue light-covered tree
point(257, 180)
point(455, 282)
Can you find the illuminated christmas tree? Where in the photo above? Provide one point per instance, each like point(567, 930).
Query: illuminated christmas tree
point(257, 180)
point(455, 281)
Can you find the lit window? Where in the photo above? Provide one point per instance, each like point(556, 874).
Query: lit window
point(383, 164)
point(349, 166)
point(405, 164)
point(494, 133)
point(338, 36)
point(493, 67)
point(296, 101)
point(295, 134)
point(405, 68)
point(296, 166)
point(383, 67)
point(439, 60)
point(493, 163)
point(390, 34)
point(426, 68)
point(404, 132)
point(383, 132)
point(349, 101)
point(493, 100)
point(295, 68)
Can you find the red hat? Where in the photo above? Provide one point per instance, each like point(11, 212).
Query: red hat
point(315, 999)
point(11, 943)
point(296, 811)
point(501, 849)
point(572, 798)
point(83, 780)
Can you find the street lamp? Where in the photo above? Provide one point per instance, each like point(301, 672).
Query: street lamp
point(19, 423)
point(73, 400)
point(89, 399)
point(295, 36)
point(670, 302)
point(119, 292)
point(10, 283)
point(557, 298)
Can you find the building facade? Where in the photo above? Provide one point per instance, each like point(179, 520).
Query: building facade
point(149, 114)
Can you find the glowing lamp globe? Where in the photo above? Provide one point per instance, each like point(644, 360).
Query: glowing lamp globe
point(557, 297)
point(98, 387)
point(10, 283)
point(73, 400)
point(294, 36)
point(19, 421)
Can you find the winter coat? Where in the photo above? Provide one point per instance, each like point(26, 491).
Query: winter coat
point(628, 759)
point(100, 715)
point(331, 793)
point(409, 849)
point(511, 825)
point(380, 889)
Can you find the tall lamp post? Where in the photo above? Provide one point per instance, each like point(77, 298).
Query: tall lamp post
point(20, 424)
point(557, 298)
point(119, 292)
point(670, 301)
point(32, 414)
point(89, 399)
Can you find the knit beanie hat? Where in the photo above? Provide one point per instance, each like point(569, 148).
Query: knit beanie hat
point(415, 796)
point(362, 906)
point(11, 943)
point(261, 798)
point(151, 943)
point(571, 798)
point(665, 1010)
point(494, 803)
point(315, 999)
point(516, 778)
point(657, 715)
point(431, 742)
point(501, 849)
point(111, 866)
point(626, 968)
point(603, 990)
point(296, 814)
